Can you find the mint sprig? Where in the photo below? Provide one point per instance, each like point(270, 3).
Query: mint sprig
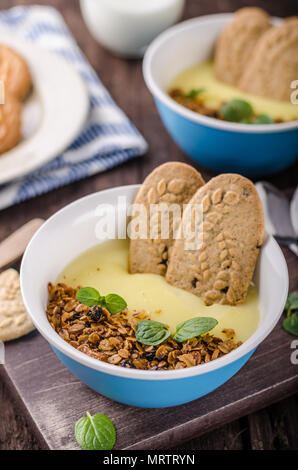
point(112, 302)
point(192, 94)
point(152, 333)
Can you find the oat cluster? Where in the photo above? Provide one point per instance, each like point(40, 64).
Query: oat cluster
point(111, 338)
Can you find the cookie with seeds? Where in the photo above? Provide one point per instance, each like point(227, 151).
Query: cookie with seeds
point(14, 72)
point(220, 268)
point(274, 65)
point(10, 122)
point(14, 319)
point(236, 43)
point(161, 197)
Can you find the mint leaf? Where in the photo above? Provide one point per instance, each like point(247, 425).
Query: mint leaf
point(114, 303)
point(192, 94)
point(88, 296)
point(95, 432)
point(292, 303)
point(290, 324)
point(151, 332)
point(194, 327)
point(236, 110)
point(263, 119)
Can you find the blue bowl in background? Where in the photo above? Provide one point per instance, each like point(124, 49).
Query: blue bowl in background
point(249, 149)
point(70, 232)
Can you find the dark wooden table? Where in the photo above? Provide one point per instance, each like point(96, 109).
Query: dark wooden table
point(275, 427)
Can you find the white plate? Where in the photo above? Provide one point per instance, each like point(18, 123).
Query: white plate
point(53, 114)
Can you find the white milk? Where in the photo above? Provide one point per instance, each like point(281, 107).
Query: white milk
point(126, 27)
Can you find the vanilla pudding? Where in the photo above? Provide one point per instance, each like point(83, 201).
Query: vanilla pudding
point(214, 93)
point(105, 267)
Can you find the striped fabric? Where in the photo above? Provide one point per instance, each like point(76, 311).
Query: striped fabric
point(108, 137)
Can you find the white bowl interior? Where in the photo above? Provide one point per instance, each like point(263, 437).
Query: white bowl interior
point(71, 231)
point(192, 45)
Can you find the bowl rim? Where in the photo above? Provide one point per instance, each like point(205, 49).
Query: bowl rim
point(162, 96)
point(61, 345)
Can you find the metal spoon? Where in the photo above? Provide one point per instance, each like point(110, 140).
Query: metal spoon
point(278, 221)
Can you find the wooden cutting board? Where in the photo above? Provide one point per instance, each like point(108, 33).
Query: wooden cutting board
point(54, 399)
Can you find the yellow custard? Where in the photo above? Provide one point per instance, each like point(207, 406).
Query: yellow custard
point(216, 92)
point(105, 267)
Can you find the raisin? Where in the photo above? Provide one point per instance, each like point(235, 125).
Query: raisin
point(128, 364)
point(95, 313)
point(150, 356)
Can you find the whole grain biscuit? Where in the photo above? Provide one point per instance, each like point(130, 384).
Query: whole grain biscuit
point(236, 43)
point(274, 64)
point(232, 225)
point(10, 122)
point(171, 183)
point(14, 72)
point(14, 320)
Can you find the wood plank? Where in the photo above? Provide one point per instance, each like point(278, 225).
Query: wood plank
point(274, 428)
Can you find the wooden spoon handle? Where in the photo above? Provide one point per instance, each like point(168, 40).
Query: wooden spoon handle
point(13, 247)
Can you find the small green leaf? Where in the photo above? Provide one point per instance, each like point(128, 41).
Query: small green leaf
point(292, 303)
point(290, 324)
point(114, 303)
point(194, 327)
point(263, 119)
point(192, 94)
point(151, 332)
point(236, 110)
point(95, 432)
point(88, 296)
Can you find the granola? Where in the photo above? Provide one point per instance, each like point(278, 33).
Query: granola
point(198, 106)
point(111, 338)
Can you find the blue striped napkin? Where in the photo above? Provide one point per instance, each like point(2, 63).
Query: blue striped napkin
point(108, 137)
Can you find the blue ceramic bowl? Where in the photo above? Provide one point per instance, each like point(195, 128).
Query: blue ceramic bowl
point(252, 150)
point(73, 230)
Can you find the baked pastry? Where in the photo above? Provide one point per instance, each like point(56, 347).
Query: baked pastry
point(14, 72)
point(10, 122)
point(236, 44)
point(170, 183)
point(232, 229)
point(274, 64)
point(14, 319)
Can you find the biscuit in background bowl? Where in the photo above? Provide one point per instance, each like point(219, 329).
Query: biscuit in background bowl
point(236, 43)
